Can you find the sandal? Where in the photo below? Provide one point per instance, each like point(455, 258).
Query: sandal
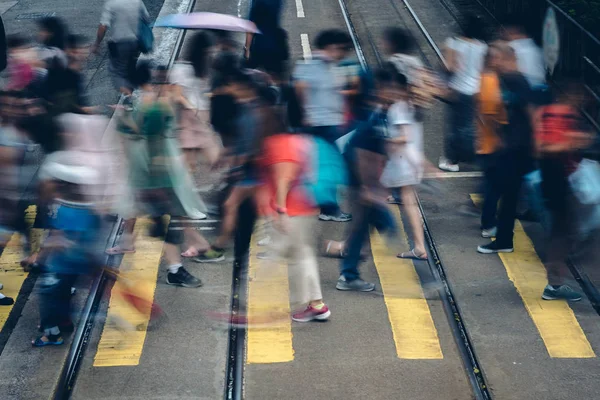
point(393, 200)
point(334, 249)
point(51, 340)
point(192, 252)
point(117, 250)
point(411, 255)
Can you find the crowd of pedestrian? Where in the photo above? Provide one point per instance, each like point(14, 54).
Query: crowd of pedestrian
point(285, 138)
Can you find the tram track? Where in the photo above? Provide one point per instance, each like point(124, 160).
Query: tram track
point(473, 368)
point(69, 370)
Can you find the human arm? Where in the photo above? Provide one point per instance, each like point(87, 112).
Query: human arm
point(249, 38)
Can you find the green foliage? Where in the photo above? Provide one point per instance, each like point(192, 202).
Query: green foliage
point(586, 12)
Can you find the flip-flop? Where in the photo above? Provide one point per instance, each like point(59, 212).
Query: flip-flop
point(411, 255)
point(117, 250)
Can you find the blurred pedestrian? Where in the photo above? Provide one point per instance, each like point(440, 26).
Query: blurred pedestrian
point(515, 157)
point(191, 81)
point(464, 56)
point(322, 94)
point(121, 19)
point(285, 159)
point(491, 123)
point(404, 168)
point(368, 158)
point(73, 245)
point(560, 135)
point(52, 37)
point(268, 51)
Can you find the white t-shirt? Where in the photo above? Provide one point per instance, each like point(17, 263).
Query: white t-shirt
point(530, 61)
point(405, 163)
point(195, 89)
point(470, 58)
point(123, 18)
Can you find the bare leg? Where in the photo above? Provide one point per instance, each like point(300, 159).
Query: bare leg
point(236, 197)
point(414, 219)
point(195, 243)
point(127, 240)
point(191, 159)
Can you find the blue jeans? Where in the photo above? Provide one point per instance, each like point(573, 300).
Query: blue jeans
point(374, 215)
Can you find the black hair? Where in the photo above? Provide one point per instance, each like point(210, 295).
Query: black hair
point(389, 74)
point(57, 29)
point(474, 28)
point(197, 53)
point(15, 41)
point(76, 41)
point(400, 40)
point(332, 37)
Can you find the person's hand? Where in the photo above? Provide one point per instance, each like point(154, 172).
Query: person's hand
point(95, 49)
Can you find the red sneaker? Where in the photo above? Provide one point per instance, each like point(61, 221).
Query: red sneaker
point(311, 314)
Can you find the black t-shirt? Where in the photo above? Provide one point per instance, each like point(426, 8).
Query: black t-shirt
point(517, 96)
point(64, 90)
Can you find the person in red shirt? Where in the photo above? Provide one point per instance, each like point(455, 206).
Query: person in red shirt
point(559, 134)
point(284, 200)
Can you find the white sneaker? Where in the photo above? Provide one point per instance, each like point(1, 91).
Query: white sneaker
point(489, 233)
point(445, 165)
point(1, 286)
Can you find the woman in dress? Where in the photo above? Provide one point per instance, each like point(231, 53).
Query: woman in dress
point(191, 87)
point(158, 177)
point(405, 165)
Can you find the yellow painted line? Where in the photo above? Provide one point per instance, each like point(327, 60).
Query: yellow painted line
point(269, 337)
point(124, 333)
point(554, 320)
point(414, 332)
point(12, 274)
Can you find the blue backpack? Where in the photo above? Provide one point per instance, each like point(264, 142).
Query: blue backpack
point(328, 171)
point(145, 35)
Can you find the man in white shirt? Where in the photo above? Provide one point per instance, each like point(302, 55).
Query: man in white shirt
point(530, 59)
point(121, 19)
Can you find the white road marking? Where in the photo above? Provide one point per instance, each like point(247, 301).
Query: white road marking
point(449, 175)
point(306, 46)
point(299, 9)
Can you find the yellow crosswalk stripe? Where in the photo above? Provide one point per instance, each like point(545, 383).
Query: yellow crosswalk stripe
point(12, 274)
point(554, 320)
point(124, 332)
point(269, 337)
point(414, 332)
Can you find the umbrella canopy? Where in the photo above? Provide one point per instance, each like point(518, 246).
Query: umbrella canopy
point(207, 20)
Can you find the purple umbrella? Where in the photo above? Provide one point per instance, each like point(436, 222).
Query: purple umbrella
point(207, 20)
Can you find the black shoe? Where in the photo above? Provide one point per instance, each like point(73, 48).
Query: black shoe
point(494, 247)
point(183, 278)
point(7, 301)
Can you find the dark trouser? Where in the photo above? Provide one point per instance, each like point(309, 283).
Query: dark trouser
point(123, 58)
point(243, 233)
point(558, 197)
point(513, 167)
point(55, 304)
point(459, 141)
point(492, 178)
point(374, 215)
point(331, 134)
